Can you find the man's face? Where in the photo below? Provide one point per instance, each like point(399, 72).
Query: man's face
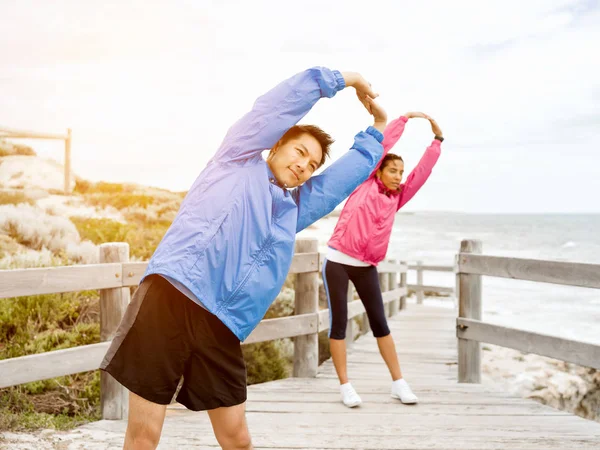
point(295, 161)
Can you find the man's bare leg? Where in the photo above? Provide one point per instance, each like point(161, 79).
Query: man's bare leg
point(144, 424)
point(230, 427)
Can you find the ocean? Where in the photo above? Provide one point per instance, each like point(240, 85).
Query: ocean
point(563, 311)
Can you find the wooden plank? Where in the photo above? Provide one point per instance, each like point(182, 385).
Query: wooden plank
point(394, 294)
point(355, 308)
point(284, 327)
point(431, 268)
point(305, 262)
point(133, 272)
point(566, 273)
point(298, 394)
point(58, 363)
point(50, 280)
point(12, 133)
point(423, 288)
point(54, 280)
point(323, 319)
point(391, 267)
point(576, 352)
point(393, 406)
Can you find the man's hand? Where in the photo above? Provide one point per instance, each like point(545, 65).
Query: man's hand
point(366, 95)
point(362, 86)
point(378, 113)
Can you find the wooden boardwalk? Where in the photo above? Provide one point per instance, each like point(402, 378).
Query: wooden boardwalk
point(302, 413)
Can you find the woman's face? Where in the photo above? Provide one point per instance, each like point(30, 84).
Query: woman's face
point(391, 174)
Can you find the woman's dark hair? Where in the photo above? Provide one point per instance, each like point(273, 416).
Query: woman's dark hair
point(390, 157)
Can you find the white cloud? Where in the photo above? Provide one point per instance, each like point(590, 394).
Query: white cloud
point(157, 84)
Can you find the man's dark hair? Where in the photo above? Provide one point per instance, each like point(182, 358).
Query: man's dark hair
point(325, 140)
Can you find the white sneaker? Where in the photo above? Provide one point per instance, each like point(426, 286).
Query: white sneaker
point(401, 391)
point(349, 396)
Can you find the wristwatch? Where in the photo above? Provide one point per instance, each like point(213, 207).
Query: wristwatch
point(439, 138)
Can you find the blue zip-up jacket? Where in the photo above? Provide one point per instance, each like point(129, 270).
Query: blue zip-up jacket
point(232, 241)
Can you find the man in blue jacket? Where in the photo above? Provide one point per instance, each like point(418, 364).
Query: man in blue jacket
point(227, 253)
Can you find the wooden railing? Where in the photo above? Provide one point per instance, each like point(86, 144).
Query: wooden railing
point(421, 288)
point(114, 276)
point(470, 330)
point(11, 133)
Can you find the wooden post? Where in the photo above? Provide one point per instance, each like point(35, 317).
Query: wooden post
point(469, 352)
point(350, 322)
point(306, 348)
point(366, 324)
point(113, 303)
point(420, 293)
point(383, 285)
point(403, 284)
point(393, 284)
point(68, 163)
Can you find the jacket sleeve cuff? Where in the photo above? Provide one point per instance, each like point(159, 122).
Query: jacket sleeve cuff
point(404, 119)
point(339, 78)
point(375, 133)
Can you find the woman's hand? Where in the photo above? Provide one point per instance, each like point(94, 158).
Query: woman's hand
point(415, 114)
point(437, 131)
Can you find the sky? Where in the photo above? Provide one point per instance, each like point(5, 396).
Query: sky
point(150, 88)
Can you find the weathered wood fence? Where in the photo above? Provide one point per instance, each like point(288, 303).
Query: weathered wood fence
point(421, 288)
point(470, 330)
point(114, 276)
point(11, 133)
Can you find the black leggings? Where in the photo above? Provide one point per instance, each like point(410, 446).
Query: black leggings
point(366, 282)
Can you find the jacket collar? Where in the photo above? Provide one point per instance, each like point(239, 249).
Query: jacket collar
point(383, 190)
point(271, 177)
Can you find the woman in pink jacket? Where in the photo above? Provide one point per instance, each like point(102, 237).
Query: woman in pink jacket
point(360, 242)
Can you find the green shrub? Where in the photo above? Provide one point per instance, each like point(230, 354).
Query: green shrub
point(119, 200)
point(8, 148)
point(265, 362)
point(39, 323)
point(42, 323)
point(14, 198)
point(87, 187)
point(142, 239)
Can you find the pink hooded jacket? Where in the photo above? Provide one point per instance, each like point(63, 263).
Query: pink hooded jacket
point(364, 228)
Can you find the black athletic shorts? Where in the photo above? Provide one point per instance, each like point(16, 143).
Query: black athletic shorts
point(163, 336)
